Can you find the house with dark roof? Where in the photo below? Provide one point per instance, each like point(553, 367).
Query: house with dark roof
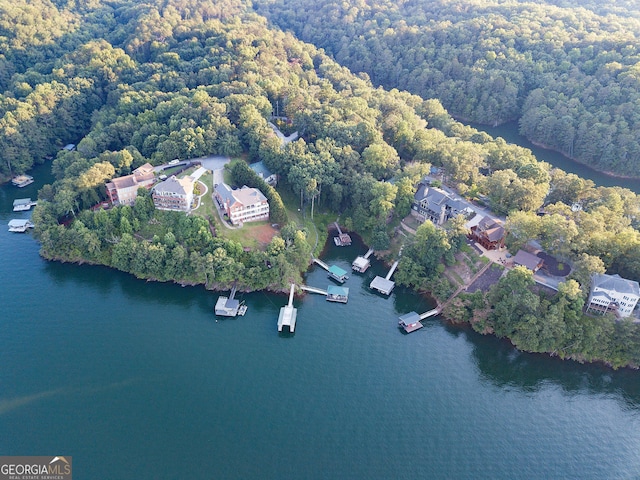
point(489, 233)
point(124, 190)
point(174, 194)
point(243, 204)
point(528, 260)
point(432, 203)
point(264, 173)
point(612, 293)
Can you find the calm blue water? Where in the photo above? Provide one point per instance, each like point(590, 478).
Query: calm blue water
point(137, 380)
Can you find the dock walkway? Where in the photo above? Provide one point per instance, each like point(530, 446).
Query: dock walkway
point(321, 263)
point(343, 239)
point(309, 289)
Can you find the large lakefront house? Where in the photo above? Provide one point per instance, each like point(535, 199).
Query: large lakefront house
point(243, 204)
point(432, 203)
point(174, 194)
point(612, 293)
point(489, 233)
point(124, 190)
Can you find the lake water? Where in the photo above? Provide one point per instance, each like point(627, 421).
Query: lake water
point(137, 380)
point(509, 131)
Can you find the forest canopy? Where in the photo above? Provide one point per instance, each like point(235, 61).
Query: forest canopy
point(568, 72)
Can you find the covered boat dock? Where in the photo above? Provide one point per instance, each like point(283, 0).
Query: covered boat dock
point(337, 294)
point(410, 322)
point(288, 314)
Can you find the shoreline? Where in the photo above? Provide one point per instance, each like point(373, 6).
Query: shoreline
point(612, 175)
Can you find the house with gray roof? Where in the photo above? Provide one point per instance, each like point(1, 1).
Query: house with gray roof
point(174, 194)
point(612, 293)
point(264, 173)
point(242, 204)
point(528, 260)
point(432, 203)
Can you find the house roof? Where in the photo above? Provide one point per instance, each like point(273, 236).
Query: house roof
point(436, 198)
point(261, 169)
point(132, 180)
point(244, 195)
point(142, 169)
point(249, 196)
point(494, 234)
point(527, 259)
point(180, 186)
point(615, 283)
point(488, 223)
point(226, 193)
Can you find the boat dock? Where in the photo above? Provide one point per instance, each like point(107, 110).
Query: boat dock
point(410, 322)
point(343, 239)
point(229, 306)
point(385, 285)
point(362, 263)
point(23, 204)
point(22, 180)
point(20, 226)
point(335, 272)
point(338, 274)
point(333, 292)
point(288, 313)
point(337, 294)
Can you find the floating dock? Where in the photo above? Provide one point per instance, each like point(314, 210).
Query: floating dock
point(362, 263)
point(410, 322)
point(229, 306)
point(23, 204)
point(343, 239)
point(385, 285)
point(20, 226)
point(288, 314)
point(22, 180)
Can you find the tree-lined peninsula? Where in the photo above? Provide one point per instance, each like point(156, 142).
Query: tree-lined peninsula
point(134, 82)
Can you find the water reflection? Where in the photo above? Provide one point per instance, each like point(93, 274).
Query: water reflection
point(504, 366)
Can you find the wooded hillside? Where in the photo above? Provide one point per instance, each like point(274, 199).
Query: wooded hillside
point(569, 72)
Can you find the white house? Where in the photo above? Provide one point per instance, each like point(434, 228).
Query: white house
point(243, 204)
point(174, 194)
point(612, 293)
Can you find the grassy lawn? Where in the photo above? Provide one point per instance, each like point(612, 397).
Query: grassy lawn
point(206, 208)
point(411, 221)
